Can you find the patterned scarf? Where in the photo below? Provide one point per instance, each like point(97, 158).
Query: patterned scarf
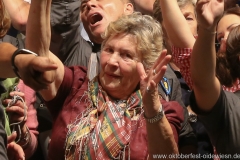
point(104, 130)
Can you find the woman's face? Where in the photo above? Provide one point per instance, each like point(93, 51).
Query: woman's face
point(119, 58)
point(226, 24)
point(188, 12)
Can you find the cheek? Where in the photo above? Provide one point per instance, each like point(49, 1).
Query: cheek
point(193, 27)
point(129, 70)
point(104, 58)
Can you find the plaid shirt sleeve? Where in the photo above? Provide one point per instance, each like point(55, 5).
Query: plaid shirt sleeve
point(181, 56)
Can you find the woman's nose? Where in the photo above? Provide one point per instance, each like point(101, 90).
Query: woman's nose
point(113, 59)
point(91, 4)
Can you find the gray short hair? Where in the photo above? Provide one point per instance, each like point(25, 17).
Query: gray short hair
point(145, 29)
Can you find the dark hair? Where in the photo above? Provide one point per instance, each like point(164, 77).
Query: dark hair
point(4, 20)
point(233, 52)
point(228, 63)
point(223, 72)
point(233, 10)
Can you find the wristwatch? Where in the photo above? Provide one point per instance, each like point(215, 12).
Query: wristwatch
point(156, 118)
point(19, 51)
point(192, 117)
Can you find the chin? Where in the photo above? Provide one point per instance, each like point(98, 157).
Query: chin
point(96, 32)
point(111, 86)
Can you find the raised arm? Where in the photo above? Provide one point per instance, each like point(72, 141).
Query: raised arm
point(18, 11)
point(38, 32)
point(203, 61)
point(144, 6)
point(39, 26)
point(160, 134)
point(175, 24)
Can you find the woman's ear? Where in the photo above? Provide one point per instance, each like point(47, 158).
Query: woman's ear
point(129, 9)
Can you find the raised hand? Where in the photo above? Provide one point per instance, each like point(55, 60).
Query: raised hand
point(14, 151)
point(36, 72)
point(209, 12)
point(17, 111)
point(149, 83)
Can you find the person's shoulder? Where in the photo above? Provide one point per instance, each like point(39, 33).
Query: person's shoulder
point(170, 73)
point(78, 71)
point(173, 109)
point(233, 99)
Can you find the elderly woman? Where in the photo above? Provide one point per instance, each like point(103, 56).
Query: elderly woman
point(118, 114)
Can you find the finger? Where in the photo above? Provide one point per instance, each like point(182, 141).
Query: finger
point(45, 74)
point(16, 110)
point(153, 83)
point(158, 64)
point(160, 74)
point(21, 94)
point(38, 78)
point(141, 71)
point(46, 78)
point(12, 137)
point(161, 68)
point(18, 103)
point(200, 4)
point(15, 151)
point(35, 84)
point(44, 64)
point(159, 59)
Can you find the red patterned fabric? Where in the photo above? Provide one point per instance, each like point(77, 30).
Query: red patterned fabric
point(181, 56)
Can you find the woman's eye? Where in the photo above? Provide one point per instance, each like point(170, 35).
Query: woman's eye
point(129, 56)
point(189, 18)
point(219, 38)
point(126, 56)
point(110, 50)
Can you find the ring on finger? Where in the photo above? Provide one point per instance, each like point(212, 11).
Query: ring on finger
point(147, 89)
point(154, 72)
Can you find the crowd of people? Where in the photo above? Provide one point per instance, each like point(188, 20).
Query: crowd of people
point(119, 79)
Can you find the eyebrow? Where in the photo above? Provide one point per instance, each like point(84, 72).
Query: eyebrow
point(229, 27)
point(84, 1)
point(232, 25)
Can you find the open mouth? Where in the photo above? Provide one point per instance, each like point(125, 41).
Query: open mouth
point(95, 18)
